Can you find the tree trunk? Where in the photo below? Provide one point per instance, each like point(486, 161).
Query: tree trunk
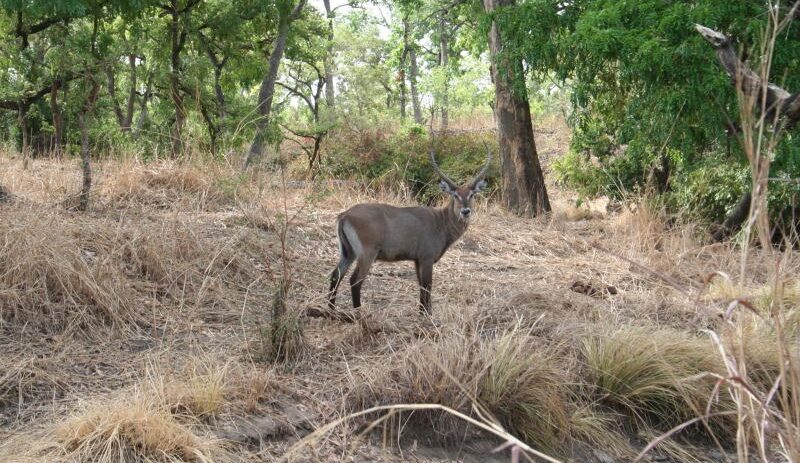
point(330, 98)
point(403, 66)
point(524, 191)
point(735, 219)
point(86, 165)
point(444, 58)
point(267, 90)
point(143, 113)
point(402, 79)
point(412, 56)
point(177, 38)
point(213, 129)
point(111, 84)
point(83, 123)
point(128, 120)
point(22, 119)
point(219, 65)
point(218, 89)
point(58, 118)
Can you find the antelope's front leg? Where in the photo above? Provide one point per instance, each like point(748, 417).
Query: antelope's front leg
point(425, 279)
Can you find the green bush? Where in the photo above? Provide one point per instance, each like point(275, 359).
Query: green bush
point(710, 189)
point(401, 159)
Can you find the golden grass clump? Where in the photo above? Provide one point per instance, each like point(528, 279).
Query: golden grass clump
point(657, 377)
point(512, 376)
point(48, 279)
point(163, 184)
point(60, 270)
point(204, 393)
point(137, 428)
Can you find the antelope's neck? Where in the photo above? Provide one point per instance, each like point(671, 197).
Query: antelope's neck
point(452, 225)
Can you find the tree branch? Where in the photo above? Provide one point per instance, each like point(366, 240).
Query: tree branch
point(298, 9)
point(297, 92)
point(775, 100)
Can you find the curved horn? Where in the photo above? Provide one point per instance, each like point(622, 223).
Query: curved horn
point(436, 166)
point(485, 167)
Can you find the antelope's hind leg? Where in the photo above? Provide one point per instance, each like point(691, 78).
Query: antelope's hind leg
point(358, 277)
point(337, 276)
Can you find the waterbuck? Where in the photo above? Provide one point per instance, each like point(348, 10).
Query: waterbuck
point(422, 234)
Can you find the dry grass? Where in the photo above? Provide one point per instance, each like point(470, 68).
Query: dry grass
point(48, 278)
point(134, 429)
point(513, 375)
point(176, 265)
point(164, 184)
point(656, 377)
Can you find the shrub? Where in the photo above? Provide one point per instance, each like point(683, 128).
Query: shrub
point(400, 160)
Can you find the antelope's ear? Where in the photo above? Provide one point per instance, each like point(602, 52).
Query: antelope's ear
point(445, 187)
point(479, 186)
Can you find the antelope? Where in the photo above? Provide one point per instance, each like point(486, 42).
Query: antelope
point(369, 232)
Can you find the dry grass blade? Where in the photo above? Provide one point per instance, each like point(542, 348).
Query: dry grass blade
point(656, 442)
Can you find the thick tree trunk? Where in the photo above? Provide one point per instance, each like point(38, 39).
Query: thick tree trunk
point(218, 89)
point(403, 67)
point(402, 83)
point(735, 219)
point(143, 113)
point(219, 65)
point(213, 129)
point(129, 108)
point(524, 191)
point(86, 165)
point(330, 97)
point(267, 90)
point(444, 59)
point(111, 86)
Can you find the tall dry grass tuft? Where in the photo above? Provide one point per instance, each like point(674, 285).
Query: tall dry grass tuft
point(48, 279)
point(169, 415)
point(656, 377)
point(514, 377)
point(169, 184)
point(60, 271)
point(134, 429)
point(155, 421)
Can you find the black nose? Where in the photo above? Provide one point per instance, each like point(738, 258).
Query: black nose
point(466, 211)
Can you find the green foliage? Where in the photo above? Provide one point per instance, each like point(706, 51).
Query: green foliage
point(645, 83)
point(711, 188)
point(401, 159)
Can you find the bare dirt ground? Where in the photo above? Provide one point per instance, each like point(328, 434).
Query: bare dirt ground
point(162, 293)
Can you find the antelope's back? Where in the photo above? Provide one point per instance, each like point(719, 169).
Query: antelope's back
point(392, 233)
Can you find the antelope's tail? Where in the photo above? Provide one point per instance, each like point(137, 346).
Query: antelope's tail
point(345, 248)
